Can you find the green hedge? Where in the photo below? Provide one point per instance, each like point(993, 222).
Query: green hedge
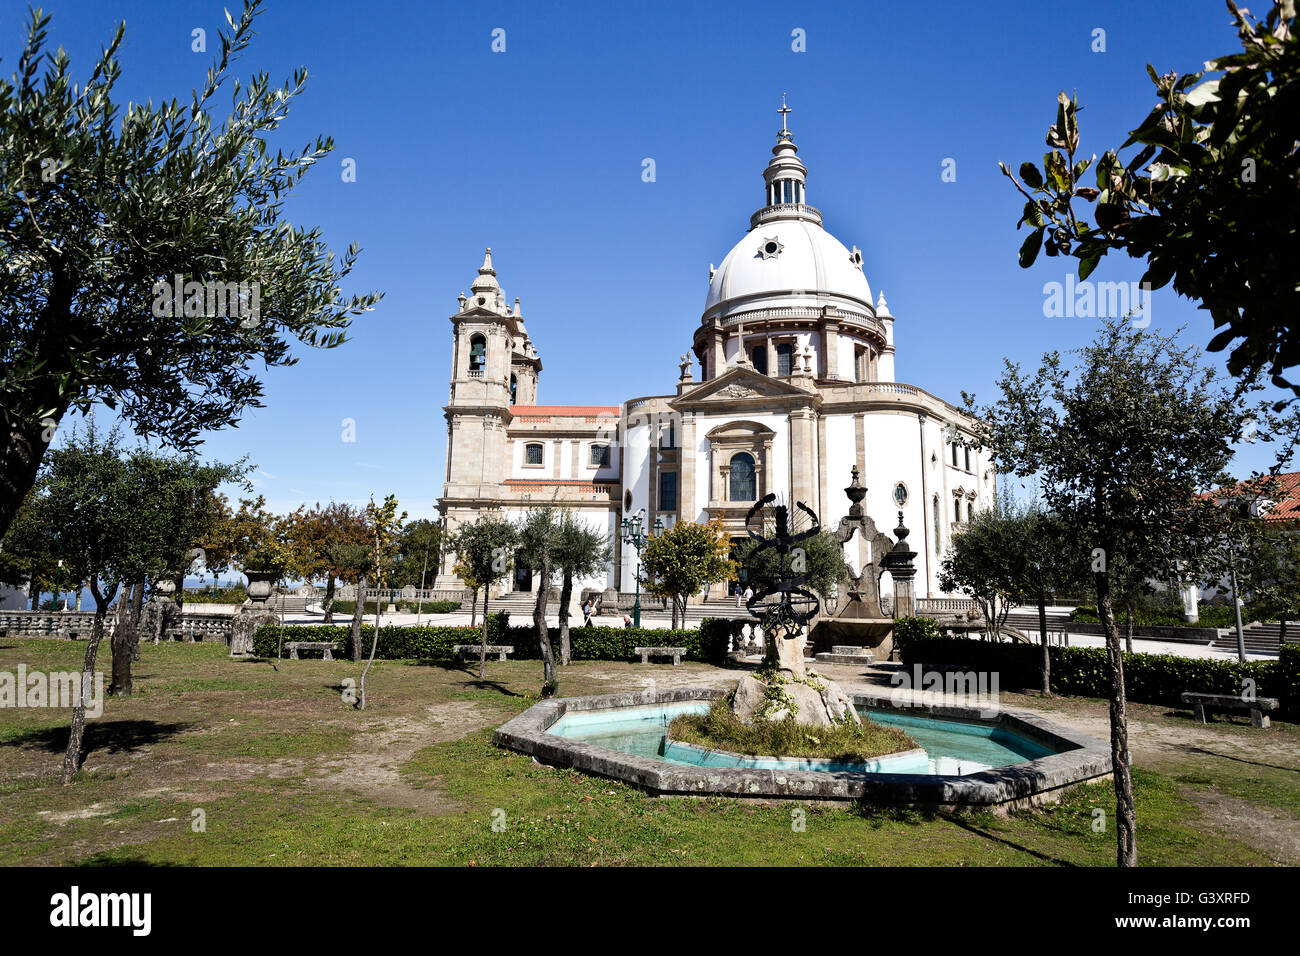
point(427, 642)
point(1081, 671)
point(708, 643)
point(1211, 615)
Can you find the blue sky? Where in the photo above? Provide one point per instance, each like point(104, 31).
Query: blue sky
point(537, 152)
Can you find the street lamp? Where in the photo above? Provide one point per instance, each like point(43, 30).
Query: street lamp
point(633, 535)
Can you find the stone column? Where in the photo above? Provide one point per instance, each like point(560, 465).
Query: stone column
point(686, 506)
point(830, 348)
point(801, 457)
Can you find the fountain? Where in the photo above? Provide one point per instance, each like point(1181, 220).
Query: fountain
point(858, 631)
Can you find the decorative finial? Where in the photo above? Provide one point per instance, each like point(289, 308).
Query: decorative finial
point(685, 366)
point(783, 111)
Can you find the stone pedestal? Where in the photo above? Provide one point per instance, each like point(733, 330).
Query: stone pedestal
point(252, 614)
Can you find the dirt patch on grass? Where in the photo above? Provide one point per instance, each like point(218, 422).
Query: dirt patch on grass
point(375, 770)
point(1272, 832)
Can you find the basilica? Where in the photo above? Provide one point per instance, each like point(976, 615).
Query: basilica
point(796, 387)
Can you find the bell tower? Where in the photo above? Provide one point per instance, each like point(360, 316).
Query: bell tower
point(493, 365)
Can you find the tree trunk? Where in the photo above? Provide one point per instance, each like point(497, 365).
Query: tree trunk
point(1125, 811)
point(76, 737)
point(20, 458)
point(358, 612)
point(1042, 635)
point(482, 650)
point(374, 643)
point(120, 646)
point(1128, 627)
point(179, 581)
point(1281, 633)
point(328, 601)
point(137, 605)
point(566, 595)
point(550, 682)
point(473, 606)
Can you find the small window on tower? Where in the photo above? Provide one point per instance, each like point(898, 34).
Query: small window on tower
point(533, 454)
point(477, 353)
point(514, 389)
point(600, 456)
point(967, 450)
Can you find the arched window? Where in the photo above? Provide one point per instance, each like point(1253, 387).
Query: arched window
point(935, 508)
point(477, 352)
point(740, 484)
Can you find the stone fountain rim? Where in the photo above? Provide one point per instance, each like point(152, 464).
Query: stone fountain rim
point(1080, 759)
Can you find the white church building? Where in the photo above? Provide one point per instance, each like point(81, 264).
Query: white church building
point(796, 387)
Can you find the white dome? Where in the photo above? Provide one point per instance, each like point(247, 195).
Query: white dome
point(788, 262)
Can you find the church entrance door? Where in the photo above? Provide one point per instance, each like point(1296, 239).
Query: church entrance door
point(523, 576)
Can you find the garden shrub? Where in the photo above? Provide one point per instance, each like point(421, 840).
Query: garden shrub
point(1081, 671)
point(427, 642)
point(430, 642)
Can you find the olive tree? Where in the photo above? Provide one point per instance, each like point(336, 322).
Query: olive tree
point(148, 264)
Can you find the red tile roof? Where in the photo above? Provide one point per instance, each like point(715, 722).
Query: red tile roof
point(1285, 493)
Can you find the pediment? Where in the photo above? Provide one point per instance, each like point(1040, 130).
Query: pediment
point(742, 385)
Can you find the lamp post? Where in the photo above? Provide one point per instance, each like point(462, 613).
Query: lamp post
point(633, 535)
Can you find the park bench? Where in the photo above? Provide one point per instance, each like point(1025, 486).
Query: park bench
point(325, 647)
point(674, 652)
point(469, 650)
point(1257, 706)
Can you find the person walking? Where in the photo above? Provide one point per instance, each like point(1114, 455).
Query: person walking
point(749, 593)
point(586, 613)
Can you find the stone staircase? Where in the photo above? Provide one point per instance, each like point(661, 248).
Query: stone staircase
point(1258, 638)
point(847, 654)
point(288, 603)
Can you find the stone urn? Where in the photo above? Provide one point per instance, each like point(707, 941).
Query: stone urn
point(259, 585)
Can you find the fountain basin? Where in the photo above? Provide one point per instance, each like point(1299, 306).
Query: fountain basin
point(623, 736)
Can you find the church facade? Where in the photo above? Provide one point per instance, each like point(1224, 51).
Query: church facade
point(796, 388)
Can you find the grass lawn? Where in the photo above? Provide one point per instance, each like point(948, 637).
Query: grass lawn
point(279, 769)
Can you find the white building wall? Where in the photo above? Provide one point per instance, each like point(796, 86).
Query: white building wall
point(893, 454)
point(636, 471)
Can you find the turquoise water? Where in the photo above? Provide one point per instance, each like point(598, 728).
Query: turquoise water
point(951, 747)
